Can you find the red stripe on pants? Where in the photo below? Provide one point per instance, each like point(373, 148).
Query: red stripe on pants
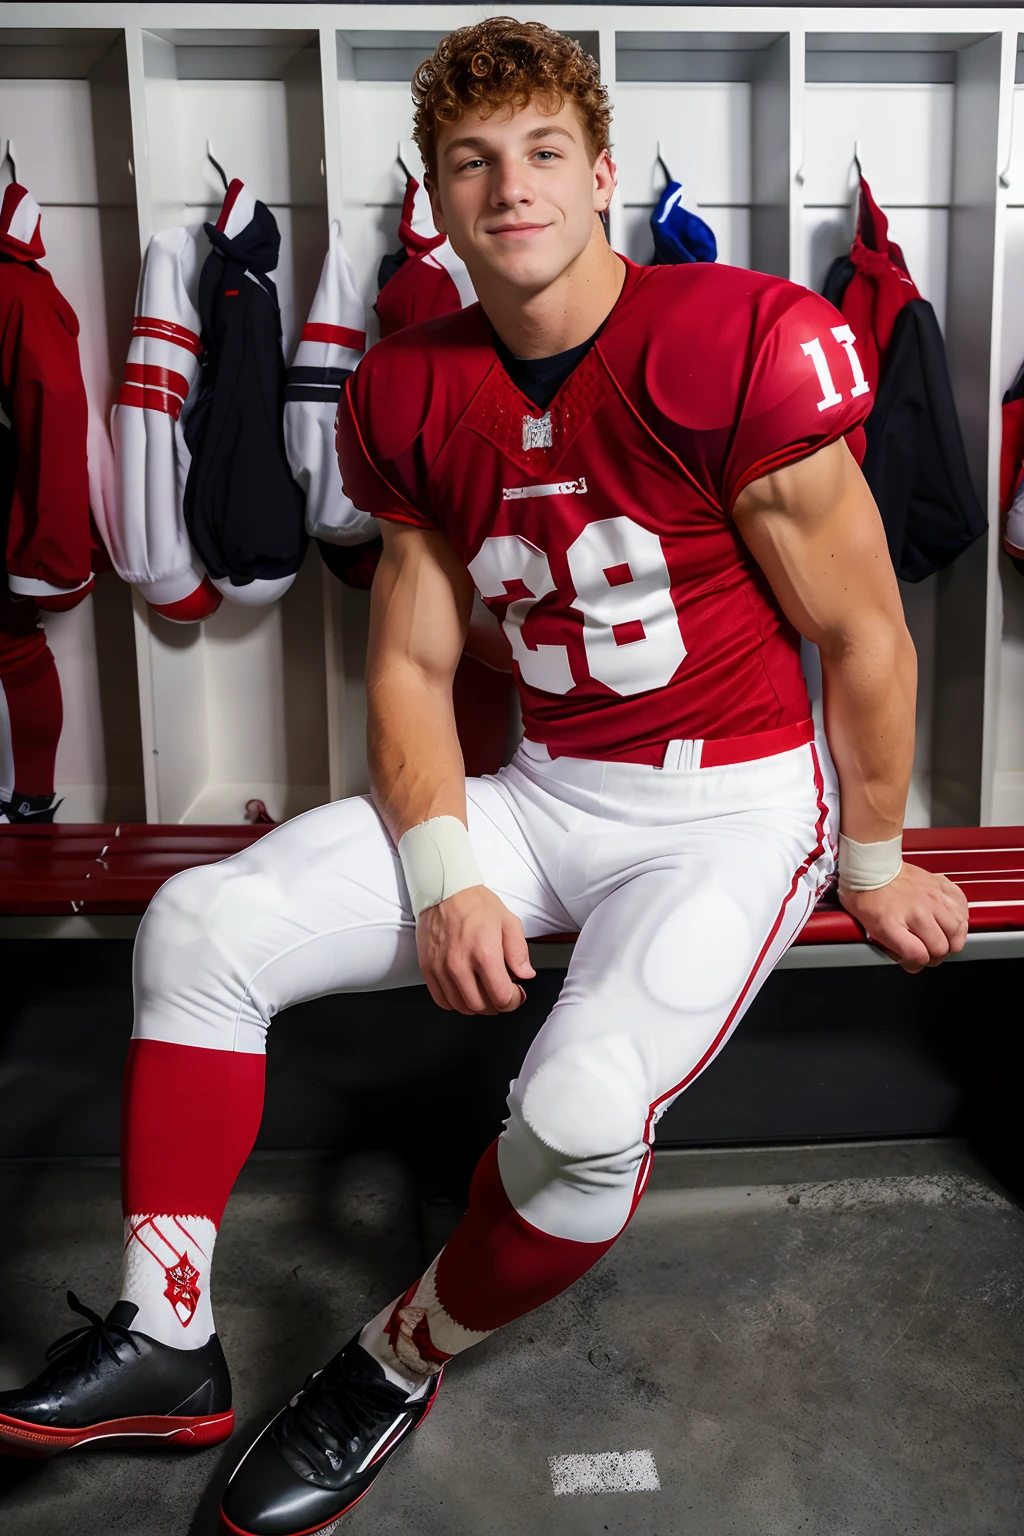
point(189, 1118)
point(496, 1267)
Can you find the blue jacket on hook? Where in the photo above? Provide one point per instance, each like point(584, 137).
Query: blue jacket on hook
point(679, 234)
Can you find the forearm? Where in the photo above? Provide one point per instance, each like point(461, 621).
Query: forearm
point(419, 609)
point(816, 534)
point(870, 692)
point(413, 751)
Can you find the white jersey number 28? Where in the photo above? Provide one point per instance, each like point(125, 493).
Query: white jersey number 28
point(623, 591)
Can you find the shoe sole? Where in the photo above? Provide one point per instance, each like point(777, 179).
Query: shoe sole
point(18, 1437)
point(334, 1521)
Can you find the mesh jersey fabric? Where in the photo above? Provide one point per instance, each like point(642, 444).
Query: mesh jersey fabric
point(540, 378)
point(599, 533)
point(728, 424)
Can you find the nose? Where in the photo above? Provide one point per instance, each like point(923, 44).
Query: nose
point(509, 183)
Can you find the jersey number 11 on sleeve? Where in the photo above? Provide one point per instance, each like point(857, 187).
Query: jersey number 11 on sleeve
point(816, 352)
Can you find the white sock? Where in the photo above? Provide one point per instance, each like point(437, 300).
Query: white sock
point(166, 1273)
point(374, 1339)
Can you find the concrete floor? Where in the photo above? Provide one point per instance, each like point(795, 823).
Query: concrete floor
point(821, 1340)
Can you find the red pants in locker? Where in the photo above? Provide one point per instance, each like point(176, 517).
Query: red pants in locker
point(31, 712)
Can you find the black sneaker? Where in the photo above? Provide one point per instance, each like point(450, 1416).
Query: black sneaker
point(321, 1454)
point(107, 1382)
point(29, 808)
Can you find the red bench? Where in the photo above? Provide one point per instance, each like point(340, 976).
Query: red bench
point(103, 868)
point(97, 868)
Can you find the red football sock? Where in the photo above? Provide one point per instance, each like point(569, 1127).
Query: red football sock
point(189, 1118)
point(495, 1267)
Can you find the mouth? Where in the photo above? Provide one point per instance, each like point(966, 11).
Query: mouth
point(517, 231)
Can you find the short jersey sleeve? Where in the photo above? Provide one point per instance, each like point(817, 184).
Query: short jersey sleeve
point(378, 444)
point(805, 388)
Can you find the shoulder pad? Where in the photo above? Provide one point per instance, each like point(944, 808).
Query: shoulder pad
point(423, 371)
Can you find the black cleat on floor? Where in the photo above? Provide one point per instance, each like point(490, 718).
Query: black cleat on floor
point(105, 1382)
point(321, 1453)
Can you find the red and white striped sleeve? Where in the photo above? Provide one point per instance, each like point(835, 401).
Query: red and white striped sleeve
point(332, 342)
point(145, 532)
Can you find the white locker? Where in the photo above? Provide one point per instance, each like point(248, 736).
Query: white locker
point(758, 111)
point(64, 96)
point(236, 706)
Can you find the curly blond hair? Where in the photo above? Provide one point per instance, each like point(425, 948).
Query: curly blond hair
point(501, 63)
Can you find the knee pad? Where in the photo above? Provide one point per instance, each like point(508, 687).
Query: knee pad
point(698, 953)
point(589, 1099)
point(182, 917)
point(188, 967)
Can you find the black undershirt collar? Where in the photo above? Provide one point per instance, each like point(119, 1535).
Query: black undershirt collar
point(540, 378)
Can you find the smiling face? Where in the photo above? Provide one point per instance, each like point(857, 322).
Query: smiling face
point(518, 194)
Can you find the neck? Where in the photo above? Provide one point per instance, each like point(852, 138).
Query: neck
point(561, 315)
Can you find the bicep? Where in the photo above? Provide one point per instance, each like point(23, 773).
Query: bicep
point(419, 604)
point(815, 532)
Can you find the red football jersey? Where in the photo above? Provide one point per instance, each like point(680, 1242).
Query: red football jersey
point(599, 531)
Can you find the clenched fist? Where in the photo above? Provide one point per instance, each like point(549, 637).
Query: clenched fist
point(919, 918)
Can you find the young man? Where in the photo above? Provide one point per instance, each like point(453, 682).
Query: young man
point(646, 474)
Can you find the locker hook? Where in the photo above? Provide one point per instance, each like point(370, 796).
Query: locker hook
point(8, 155)
point(400, 157)
point(856, 157)
point(663, 163)
point(216, 164)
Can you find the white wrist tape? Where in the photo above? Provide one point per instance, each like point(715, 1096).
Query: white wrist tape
point(869, 866)
point(438, 861)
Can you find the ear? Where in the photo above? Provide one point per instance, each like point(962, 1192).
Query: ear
point(435, 203)
point(604, 180)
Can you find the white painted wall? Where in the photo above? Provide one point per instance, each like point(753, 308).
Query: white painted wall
point(268, 703)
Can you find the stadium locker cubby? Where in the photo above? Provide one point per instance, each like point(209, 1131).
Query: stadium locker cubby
point(64, 108)
point(252, 679)
point(757, 112)
point(1004, 581)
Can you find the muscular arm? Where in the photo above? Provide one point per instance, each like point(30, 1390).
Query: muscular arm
point(419, 613)
point(814, 530)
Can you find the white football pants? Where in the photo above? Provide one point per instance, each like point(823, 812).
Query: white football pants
point(686, 884)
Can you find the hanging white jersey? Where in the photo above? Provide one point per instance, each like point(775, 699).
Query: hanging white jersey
point(146, 536)
point(332, 342)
